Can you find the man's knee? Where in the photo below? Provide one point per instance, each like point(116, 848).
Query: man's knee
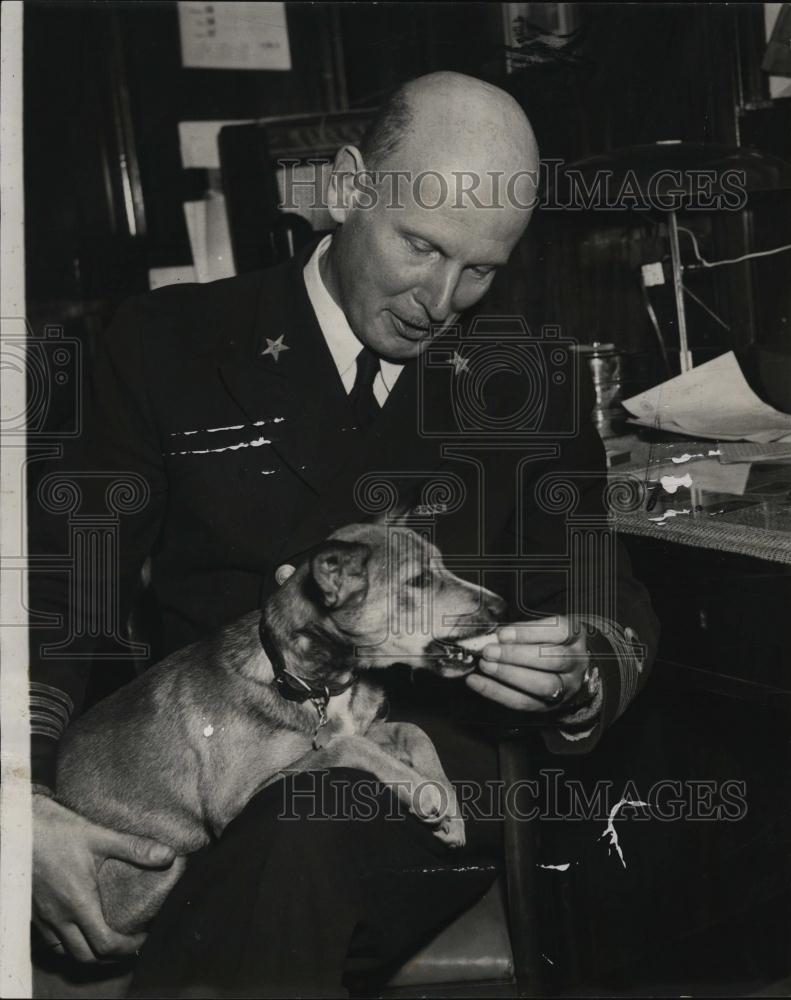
point(337, 794)
point(316, 800)
point(341, 817)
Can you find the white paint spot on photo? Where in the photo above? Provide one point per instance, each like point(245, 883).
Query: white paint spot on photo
point(228, 427)
point(208, 430)
point(257, 443)
point(611, 832)
point(668, 514)
point(670, 484)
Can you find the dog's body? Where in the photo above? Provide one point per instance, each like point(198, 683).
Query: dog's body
point(177, 754)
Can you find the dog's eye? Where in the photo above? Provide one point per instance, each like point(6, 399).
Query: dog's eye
point(421, 580)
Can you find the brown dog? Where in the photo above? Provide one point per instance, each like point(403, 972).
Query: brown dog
point(176, 754)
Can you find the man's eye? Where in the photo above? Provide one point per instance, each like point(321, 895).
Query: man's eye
point(482, 272)
point(422, 580)
point(419, 246)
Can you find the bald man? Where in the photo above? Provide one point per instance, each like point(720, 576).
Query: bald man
point(324, 351)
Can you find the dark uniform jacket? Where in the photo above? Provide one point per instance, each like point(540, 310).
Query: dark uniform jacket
point(210, 455)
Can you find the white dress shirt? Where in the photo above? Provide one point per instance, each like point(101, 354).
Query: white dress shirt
point(343, 344)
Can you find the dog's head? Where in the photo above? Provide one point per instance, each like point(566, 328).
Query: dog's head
point(377, 594)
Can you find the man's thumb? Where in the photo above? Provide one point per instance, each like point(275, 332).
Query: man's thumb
point(140, 851)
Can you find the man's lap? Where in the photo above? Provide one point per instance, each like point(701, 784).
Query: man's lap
point(320, 873)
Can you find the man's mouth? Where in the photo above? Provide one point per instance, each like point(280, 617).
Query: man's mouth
point(412, 331)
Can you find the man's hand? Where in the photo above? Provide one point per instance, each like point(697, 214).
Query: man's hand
point(534, 666)
point(68, 851)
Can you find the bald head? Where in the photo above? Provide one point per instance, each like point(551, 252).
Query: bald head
point(428, 209)
point(450, 122)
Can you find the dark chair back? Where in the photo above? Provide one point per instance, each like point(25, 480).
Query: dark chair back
point(274, 176)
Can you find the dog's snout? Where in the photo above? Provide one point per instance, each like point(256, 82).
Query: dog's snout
point(495, 606)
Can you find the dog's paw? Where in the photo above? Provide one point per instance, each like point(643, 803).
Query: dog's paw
point(429, 802)
point(451, 831)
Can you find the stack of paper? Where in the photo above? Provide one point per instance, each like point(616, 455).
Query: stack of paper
point(711, 401)
point(777, 452)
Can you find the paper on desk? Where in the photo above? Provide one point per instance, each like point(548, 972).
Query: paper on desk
point(711, 401)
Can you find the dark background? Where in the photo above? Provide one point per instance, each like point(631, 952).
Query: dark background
point(105, 79)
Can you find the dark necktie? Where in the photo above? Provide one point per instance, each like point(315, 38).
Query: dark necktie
point(362, 399)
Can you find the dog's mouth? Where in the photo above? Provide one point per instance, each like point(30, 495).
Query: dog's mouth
point(456, 656)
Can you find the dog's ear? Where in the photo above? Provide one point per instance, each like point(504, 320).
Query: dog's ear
point(283, 573)
point(397, 516)
point(340, 570)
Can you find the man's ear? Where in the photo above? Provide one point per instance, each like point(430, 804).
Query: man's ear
point(342, 189)
point(340, 570)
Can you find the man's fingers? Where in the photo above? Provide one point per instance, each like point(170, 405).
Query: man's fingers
point(556, 630)
point(503, 695)
point(85, 934)
point(140, 851)
point(48, 935)
point(104, 942)
point(541, 684)
point(108, 944)
point(75, 944)
point(547, 656)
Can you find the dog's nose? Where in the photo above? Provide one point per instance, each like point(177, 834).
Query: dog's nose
point(495, 606)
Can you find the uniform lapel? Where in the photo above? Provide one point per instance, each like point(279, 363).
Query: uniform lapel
point(299, 394)
point(283, 374)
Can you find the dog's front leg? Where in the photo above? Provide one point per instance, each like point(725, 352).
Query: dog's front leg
point(413, 747)
point(425, 798)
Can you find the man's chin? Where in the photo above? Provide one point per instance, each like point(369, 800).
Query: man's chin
point(395, 341)
point(393, 347)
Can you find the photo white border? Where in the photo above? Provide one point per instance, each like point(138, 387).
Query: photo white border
point(15, 794)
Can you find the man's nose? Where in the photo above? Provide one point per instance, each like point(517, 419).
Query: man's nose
point(436, 295)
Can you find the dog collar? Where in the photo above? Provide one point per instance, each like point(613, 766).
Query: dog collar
point(291, 685)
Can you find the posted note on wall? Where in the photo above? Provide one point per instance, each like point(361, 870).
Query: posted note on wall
point(234, 35)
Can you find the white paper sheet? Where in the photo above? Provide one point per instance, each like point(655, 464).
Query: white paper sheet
point(711, 401)
point(199, 142)
point(234, 35)
point(210, 239)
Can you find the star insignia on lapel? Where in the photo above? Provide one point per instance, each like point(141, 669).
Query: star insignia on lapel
point(274, 347)
point(460, 364)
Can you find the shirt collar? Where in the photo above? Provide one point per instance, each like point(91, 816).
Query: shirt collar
point(343, 344)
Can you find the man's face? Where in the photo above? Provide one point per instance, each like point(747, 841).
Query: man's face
point(403, 274)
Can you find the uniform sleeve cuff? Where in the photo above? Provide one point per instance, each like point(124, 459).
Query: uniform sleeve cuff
point(614, 668)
